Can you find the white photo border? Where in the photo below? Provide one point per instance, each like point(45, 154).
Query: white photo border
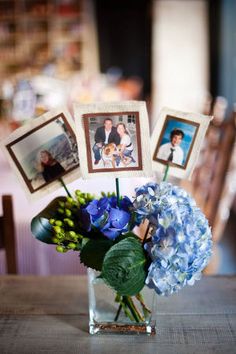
point(201, 120)
point(27, 128)
point(114, 107)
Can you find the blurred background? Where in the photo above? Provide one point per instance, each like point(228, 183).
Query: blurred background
point(175, 53)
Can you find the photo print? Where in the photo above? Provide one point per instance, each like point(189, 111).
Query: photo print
point(43, 151)
point(113, 141)
point(176, 141)
point(116, 139)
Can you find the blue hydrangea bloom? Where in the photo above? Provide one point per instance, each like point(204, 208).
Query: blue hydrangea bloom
point(97, 207)
point(117, 223)
point(181, 244)
point(105, 215)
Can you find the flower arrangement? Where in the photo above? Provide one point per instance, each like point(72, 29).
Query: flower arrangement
point(173, 252)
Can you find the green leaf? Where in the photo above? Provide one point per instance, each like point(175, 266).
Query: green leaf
point(42, 230)
point(93, 253)
point(124, 267)
point(124, 236)
point(84, 241)
point(40, 227)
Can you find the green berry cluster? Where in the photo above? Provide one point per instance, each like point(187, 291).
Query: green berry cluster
point(108, 195)
point(66, 228)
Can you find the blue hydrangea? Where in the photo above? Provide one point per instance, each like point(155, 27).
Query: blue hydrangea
point(181, 244)
point(117, 223)
point(105, 215)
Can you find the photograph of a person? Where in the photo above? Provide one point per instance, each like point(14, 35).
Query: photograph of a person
point(49, 166)
point(113, 141)
point(45, 153)
point(176, 141)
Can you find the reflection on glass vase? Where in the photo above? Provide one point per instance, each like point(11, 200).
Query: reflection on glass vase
point(112, 313)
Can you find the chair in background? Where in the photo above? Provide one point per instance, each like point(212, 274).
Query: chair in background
point(212, 181)
point(7, 234)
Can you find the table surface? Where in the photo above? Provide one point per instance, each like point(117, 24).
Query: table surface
point(50, 315)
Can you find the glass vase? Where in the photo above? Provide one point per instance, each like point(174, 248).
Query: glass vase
point(111, 313)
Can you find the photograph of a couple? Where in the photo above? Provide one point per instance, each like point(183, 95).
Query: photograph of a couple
point(114, 141)
point(46, 153)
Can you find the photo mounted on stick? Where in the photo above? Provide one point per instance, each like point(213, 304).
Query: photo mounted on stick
point(44, 151)
point(176, 141)
point(115, 136)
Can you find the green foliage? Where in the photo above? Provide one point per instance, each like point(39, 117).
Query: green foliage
point(93, 253)
point(124, 236)
point(124, 267)
point(108, 194)
point(41, 227)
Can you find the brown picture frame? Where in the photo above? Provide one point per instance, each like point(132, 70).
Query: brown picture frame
point(165, 162)
point(200, 121)
point(86, 118)
point(141, 166)
point(34, 125)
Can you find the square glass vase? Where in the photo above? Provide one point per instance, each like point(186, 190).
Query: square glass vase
point(107, 310)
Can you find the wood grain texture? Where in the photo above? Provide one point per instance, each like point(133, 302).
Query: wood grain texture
point(7, 230)
point(50, 315)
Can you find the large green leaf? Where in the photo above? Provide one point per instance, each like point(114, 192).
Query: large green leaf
point(40, 226)
point(124, 267)
point(93, 253)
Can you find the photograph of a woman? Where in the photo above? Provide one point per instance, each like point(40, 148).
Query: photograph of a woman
point(126, 146)
point(46, 153)
point(49, 167)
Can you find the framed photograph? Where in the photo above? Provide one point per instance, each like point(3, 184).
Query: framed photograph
point(176, 141)
point(44, 151)
point(115, 139)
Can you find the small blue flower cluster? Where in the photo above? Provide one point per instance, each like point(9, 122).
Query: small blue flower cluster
point(181, 244)
point(105, 215)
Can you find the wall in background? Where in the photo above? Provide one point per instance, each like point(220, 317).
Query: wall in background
point(179, 54)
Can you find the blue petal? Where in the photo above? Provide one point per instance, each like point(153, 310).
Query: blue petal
point(119, 218)
point(111, 233)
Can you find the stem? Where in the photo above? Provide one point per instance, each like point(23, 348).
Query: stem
point(139, 297)
point(118, 313)
point(127, 311)
point(118, 192)
point(64, 186)
point(123, 306)
point(146, 234)
point(133, 309)
point(130, 309)
point(166, 173)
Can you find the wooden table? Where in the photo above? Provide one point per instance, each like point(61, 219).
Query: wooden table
point(50, 315)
